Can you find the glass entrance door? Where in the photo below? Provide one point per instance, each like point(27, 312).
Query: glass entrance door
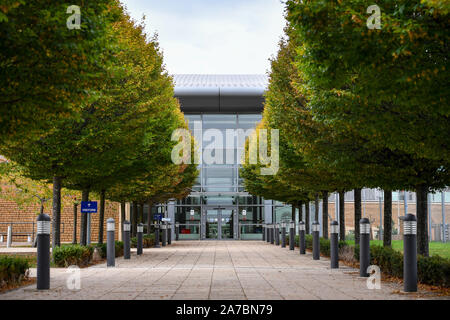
point(219, 224)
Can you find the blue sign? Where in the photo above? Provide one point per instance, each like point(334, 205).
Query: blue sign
point(88, 207)
point(157, 217)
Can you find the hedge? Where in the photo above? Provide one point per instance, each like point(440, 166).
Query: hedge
point(12, 270)
point(148, 241)
point(433, 270)
point(74, 254)
point(118, 249)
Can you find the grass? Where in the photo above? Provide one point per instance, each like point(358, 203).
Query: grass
point(436, 248)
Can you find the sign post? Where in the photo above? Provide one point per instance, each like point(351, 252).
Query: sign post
point(88, 207)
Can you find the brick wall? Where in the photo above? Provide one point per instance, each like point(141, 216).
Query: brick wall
point(11, 212)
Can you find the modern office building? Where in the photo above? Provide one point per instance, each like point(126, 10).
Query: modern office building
point(219, 207)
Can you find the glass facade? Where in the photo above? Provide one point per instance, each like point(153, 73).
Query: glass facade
point(219, 207)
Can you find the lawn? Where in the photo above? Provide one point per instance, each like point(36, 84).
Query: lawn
point(436, 248)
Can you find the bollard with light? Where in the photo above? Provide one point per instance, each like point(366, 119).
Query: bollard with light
point(334, 245)
point(283, 234)
point(316, 241)
point(301, 237)
point(409, 253)
point(163, 234)
point(43, 252)
point(177, 231)
point(364, 246)
point(140, 239)
point(110, 243)
point(126, 239)
point(157, 235)
point(292, 235)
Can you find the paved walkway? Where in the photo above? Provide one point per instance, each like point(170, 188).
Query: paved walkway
point(216, 270)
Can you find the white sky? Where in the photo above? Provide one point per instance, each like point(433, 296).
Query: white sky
point(213, 36)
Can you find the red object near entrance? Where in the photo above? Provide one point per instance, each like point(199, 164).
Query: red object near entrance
point(185, 231)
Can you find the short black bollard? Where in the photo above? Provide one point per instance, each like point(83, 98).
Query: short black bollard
point(316, 241)
point(268, 226)
point(177, 231)
point(410, 253)
point(334, 249)
point(292, 235)
point(277, 234)
point(283, 234)
point(139, 235)
point(43, 252)
point(157, 235)
point(272, 234)
point(169, 233)
point(364, 247)
point(163, 234)
point(110, 243)
point(263, 232)
point(126, 239)
point(301, 237)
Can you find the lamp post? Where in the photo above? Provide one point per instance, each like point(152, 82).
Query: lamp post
point(126, 239)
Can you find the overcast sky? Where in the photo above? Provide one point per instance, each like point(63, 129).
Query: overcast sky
point(213, 36)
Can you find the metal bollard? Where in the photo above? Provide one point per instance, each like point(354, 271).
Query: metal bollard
point(110, 243)
point(283, 234)
point(292, 235)
point(140, 238)
point(277, 234)
point(272, 234)
point(316, 241)
point(268, 233)
point(163, 234)
point(43, 252)
point(263, 232)
point(9, 237)
point(126, 239)
point(301, 237)
point(177, 231)
point(410, 253)
point(364, 247)
point(169, 233)
point(157, 235)
point(334, 249)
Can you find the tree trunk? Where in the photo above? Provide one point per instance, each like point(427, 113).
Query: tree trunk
point(293, 212)
point(134, 220)
point(387, 232)
point(75, 217)
point(342, 216)
point(83, 226)
point(141, 213)
point(316, 208)
point(149, 218)
point(307, 217)
point(325, 214)
point(300, 211)
point(101, 217)
point(358, 213)
point(422, 220)
point(56, 212)
point(122, 216)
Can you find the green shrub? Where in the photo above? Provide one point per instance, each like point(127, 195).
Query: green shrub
point(433, 270)
point(118, 249)
point(12, 270)
point(73, 254)
point(148, 241)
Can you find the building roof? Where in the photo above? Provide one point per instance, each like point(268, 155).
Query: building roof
point(220, 93)
point(221, 81)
